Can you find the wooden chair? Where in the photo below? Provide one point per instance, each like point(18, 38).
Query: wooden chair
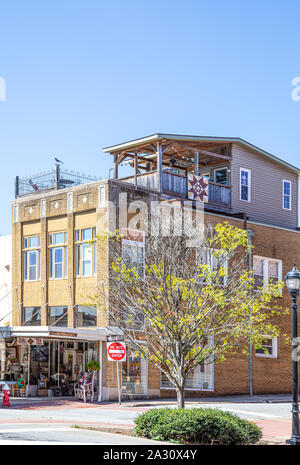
point(18, 391)
point(84, 390)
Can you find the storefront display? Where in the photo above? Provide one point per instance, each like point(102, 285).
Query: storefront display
point(53, 365)
point(134, 374)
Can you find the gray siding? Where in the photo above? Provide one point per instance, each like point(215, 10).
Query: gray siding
point(266, 189)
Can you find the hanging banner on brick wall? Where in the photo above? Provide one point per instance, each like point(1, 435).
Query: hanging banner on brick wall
point(197, 188)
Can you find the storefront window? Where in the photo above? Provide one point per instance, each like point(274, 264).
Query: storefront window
point(134, 374)
point(200, 379)
point(86, 316)
point(32, 316)
point(58, 316)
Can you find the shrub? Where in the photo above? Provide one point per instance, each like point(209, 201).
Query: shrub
point(196, 426)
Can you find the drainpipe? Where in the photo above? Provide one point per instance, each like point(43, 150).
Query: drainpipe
point(250, 235)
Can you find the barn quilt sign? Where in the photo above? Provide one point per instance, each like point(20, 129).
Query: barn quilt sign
point(197, 188)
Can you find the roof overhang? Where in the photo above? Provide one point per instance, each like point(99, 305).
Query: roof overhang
point(53, 332)
point(186, 138)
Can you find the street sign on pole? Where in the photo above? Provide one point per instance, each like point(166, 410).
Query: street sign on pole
point(116, 351)
point(115, 338)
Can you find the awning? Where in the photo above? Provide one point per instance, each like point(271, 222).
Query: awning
point(53, 332)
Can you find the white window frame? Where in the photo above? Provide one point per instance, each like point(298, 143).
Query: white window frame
point(246, 170)
point(274, 348)
point(284, 195)
point(209, 367)
point(79, 245)
point(52, 247)
point(266, 261)
point(208, 252)
point(27, 251)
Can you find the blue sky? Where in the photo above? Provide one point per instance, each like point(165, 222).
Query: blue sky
point(81, 75)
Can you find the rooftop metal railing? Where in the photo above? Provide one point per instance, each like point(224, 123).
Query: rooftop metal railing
point(51, 180)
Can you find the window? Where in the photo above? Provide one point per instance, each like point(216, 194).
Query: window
point(86, 252)
point(245, 185)
point(265, 269)
point(86, 316)
point(133, 318)
point(134, 374)
point(58, 255)
point(221, 176)
point(201, 379)
point(269, 348)
point(58, 316)
point(32, 316)
point(133, 250)
point(287, 195)
point(214, 260)
point(32, 258)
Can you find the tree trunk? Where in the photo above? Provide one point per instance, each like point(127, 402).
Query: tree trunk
point(180, 397)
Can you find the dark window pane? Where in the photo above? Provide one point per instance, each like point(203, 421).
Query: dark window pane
point(86, 316)
point(221, 176)
point(58, 316)
point(32, 316)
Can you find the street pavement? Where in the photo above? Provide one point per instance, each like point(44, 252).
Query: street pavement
point(57, 435)
point(52, 421)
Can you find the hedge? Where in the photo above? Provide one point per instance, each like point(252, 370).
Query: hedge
point(196, 426)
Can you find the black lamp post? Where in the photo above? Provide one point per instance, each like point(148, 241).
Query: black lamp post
point(293, 284)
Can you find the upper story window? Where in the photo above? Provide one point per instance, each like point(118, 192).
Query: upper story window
point(32, 316)
point(221, 176)
point(265, 269)
point(58, 316)
point(214, 261)
point(245, 185)
point(86, 252)
point(133, 250)
point(287, 195)
point(133, 319)
point(85, 316)
point(32, 258)
point(58, 255)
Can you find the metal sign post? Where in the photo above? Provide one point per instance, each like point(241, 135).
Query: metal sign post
point(119, 387)
point(29, 356)
point(116, 352)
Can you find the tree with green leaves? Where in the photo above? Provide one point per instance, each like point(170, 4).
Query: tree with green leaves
point(183, 306)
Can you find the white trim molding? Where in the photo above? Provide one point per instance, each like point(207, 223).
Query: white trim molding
point(274, 353)
point(246, 170)
point(287, 195)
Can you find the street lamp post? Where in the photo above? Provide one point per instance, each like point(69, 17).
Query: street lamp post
point(293, 284)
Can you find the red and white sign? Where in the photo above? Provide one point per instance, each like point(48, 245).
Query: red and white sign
point(116, 352)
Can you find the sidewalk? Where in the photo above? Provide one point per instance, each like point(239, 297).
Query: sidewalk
point(235, 399)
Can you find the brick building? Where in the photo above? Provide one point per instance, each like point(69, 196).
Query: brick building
point(56, 267)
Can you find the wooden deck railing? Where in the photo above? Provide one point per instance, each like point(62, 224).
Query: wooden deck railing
point(173, 183)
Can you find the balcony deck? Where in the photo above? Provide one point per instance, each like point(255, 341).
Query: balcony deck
point(219, 195)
